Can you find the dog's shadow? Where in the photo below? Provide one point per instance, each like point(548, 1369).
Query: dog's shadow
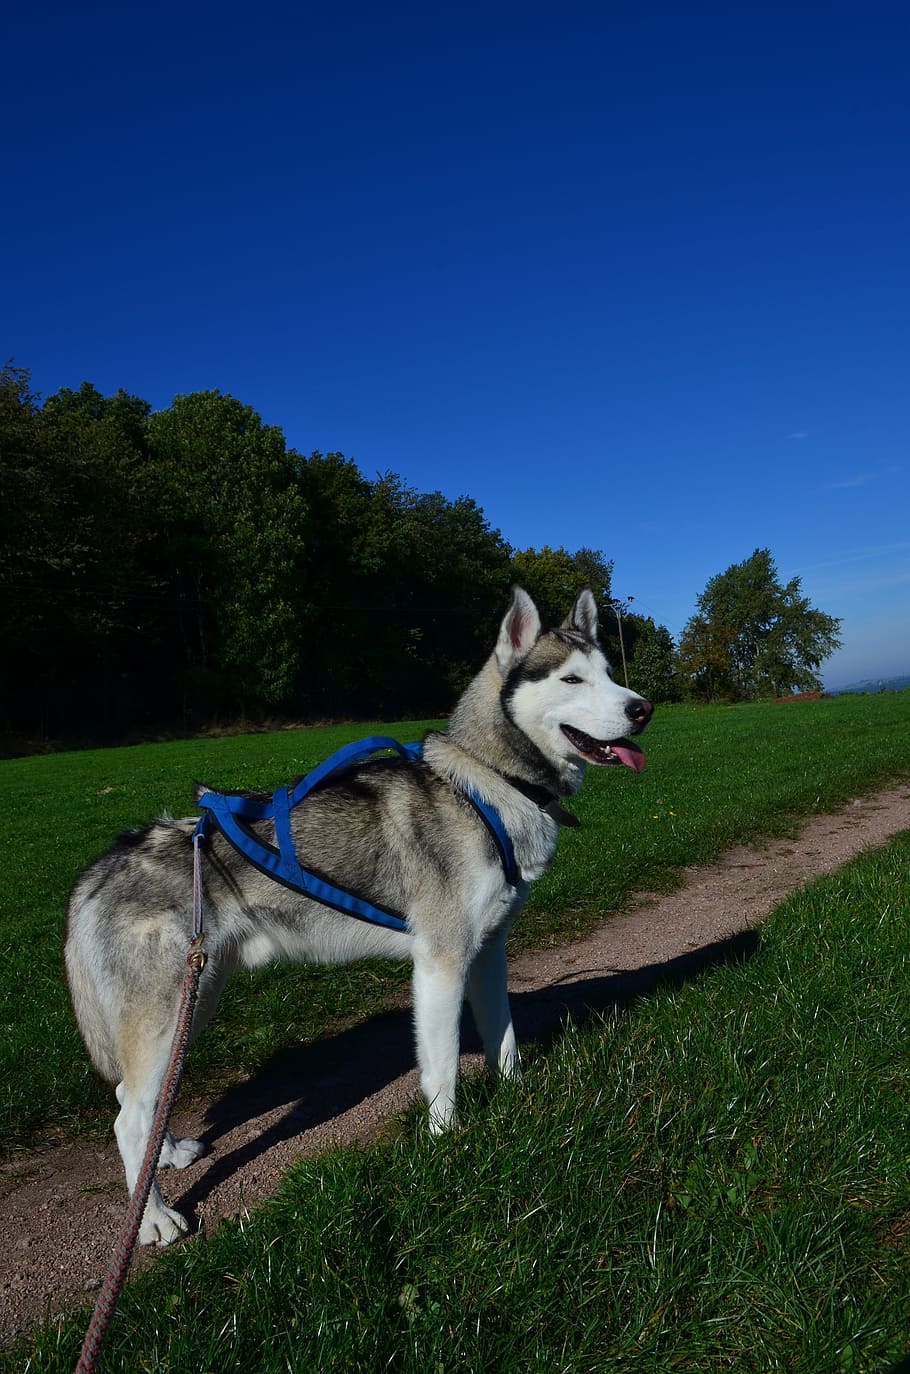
point(321, 1081)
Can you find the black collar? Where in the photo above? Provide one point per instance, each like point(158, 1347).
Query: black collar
point(545, 799)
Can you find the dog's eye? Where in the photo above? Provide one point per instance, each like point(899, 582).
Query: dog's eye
point(572, 680)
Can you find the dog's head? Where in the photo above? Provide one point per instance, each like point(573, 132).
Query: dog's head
point(558, 689)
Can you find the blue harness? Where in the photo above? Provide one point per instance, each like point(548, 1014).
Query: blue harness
point(233, 813)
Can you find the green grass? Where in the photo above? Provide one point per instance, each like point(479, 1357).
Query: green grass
point(716, 1179)
point(714, 776)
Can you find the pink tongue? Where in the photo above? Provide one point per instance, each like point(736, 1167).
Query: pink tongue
point(629, 754)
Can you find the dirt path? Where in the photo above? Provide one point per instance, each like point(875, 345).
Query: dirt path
point(61, 1208)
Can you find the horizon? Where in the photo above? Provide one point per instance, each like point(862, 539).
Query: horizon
point(631, 281)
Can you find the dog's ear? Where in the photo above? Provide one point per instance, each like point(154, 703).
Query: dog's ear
point(583, 616)
point(518, 631)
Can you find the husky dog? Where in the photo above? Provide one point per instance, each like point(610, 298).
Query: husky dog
point(403, 835)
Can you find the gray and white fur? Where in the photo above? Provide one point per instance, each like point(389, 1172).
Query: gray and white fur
point(402, 835)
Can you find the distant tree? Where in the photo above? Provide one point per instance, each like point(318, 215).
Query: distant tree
point(446, 574)
point(237, 532)
point(27, 508)
point(651, 659)
point(705, 658)
point(124, 413)
point(751, 636)
point(405, 586)
point(553, 577)
point(170, 567)
point(75, 498)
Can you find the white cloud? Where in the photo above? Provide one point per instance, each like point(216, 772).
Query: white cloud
point(856, 556)
point(862, 479)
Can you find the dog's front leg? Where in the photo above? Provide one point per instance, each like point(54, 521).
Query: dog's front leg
point(489, 998)
point(438, 990)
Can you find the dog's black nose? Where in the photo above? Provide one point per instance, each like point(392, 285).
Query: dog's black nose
point(639, 712)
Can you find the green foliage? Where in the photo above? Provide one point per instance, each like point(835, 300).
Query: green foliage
point(753, 637)
point(170, 569)
point(651, 659)
point(76, 549)
point(237, 530)
point(182, 566)
point(407, 587)
point(553, 577)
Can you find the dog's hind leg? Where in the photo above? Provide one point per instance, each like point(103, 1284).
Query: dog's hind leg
point(179, 1154)
point(438, 990)
point(488, 995)
point(145, 1049)
point(145, 1065)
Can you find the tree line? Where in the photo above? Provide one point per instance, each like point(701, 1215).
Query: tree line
point(166, 569)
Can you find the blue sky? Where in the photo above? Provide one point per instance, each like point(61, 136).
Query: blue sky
point(633, 277)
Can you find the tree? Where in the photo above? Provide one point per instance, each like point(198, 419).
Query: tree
point(652, 659)
point(704, 659)
point(752, 636)
point(75, 497)
point(554, 577)
point(237, 531)
point(406, 586)
point(26, 502)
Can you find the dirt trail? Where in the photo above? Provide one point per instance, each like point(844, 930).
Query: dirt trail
point(61, 1207)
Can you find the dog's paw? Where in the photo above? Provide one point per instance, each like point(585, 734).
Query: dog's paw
point(162, 1226)
point(179, 1154)
point(442, 1117)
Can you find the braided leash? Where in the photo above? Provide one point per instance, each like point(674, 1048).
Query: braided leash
point(126, 1242)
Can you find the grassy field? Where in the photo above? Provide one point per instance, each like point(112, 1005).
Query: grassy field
point(714, 776)
point(716, 1180)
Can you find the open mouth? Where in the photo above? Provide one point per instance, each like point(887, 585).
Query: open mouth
point(605, 753)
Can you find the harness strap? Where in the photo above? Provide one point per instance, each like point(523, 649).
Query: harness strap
point(357, 752)
point(233, 813)
point(288, 853)
point(501, 837)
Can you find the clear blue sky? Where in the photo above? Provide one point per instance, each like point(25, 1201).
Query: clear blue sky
point(632, 276)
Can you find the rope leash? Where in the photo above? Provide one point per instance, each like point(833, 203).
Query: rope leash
point(126, 1242)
